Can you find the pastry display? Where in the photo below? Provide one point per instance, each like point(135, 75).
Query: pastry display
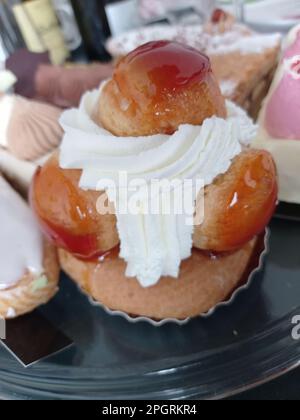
point(64, 86)
point(29, 132)
point(243, 60)
point(7, 80)
point(61, 86)
point(161, 117)
point(279, 122)
point(29, 264)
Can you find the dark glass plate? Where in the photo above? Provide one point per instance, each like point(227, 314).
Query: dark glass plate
point(237, 348)
point(288, 211)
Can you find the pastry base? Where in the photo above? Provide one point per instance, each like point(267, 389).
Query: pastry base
point(203, 283)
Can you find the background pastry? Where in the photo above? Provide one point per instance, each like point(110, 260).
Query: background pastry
point(64, 86)
point(279, 127)
point(29, 129)
point(29, 265)
point(29, 132)
point(7, 80)
point(61, 86)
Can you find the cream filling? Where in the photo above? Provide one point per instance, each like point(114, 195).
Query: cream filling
point(291, 38)
point(7, 80)
point(153, 245)
point(254, 44)
point(6, 109)
point(21, 246)
point(286, 154)
point(18, 171)
point(238, 39)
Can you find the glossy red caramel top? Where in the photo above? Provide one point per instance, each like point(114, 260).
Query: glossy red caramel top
point(218, 16)
point(160, 68)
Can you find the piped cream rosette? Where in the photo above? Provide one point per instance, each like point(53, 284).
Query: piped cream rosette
point(153, 245)
point(29, 133)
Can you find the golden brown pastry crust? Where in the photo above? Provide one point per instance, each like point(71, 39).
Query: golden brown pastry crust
point(27, 295)
point(59, 206)
point(238, 204)
point(226, 227)
point(203, 283)
point(117, 114)
point(158, 87)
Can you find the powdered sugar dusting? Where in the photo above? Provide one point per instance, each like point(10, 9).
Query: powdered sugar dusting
point(238, 39)
point(228, 87)
point(255, 44)
point(11, 313)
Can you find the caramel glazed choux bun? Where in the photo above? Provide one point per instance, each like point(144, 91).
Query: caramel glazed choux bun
point(156, 90)
point(29, 263)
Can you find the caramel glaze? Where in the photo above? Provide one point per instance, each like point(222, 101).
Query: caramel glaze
point(157, 87)
point(161, 68)
point(239, 204)
point(68, 215)
point(247, 194)
point(113, 254)
point(81, 245)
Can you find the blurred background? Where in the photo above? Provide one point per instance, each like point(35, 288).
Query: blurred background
point(77, 30)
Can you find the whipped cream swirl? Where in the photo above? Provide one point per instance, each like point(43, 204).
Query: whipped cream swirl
point(153, 245)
